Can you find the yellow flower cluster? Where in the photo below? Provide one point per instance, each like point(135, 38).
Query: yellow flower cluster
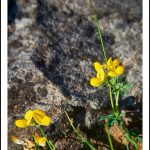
point(34, 116)
point(112, 68)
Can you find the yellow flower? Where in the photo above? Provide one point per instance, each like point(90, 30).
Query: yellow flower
point(41, 141)
point(22, 123)
point(99, 79)
point(114, 68)
point(31, 117)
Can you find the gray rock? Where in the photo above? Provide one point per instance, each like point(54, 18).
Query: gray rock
point(50, 58)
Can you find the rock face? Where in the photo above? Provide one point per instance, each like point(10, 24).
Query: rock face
point(51, 51)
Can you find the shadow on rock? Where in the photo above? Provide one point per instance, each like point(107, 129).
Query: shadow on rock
point(61, 131)
point(133, 113)
point(72, 46)
point(12, 11)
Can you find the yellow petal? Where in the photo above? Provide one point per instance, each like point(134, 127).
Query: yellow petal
point(120, 70)
point(38, 115)
point(42, 141)
point(28, 116)
point(104, 65)
point(109, 62)
point(36, 137)
point(96, 82)
point(97, 66)
point(101, 75)
point(39, 112)
point(98, 75)
point(46, 121)
point(112, 74)
point(21, 123)
point(116, 62)
point(37, 118)
point(100, 71)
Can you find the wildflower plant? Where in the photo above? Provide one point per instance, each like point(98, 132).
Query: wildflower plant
point(111, 74)
point(37, 118)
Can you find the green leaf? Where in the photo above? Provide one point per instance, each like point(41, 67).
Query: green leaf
point(113, 81)
point(121, 114)
point(122, 79)
point(101, 118)
point(129, 138)
point(111, 122)
point(120, 122)
point(115, 90)
point(111, 117)
point(125, 88)
point(133, 133)
point(140, 139)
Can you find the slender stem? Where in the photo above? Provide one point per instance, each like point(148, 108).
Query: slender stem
point(50, 144)
point(132, 141)
point(80, 136)
point(99, 29)
point(111, 98)
point(127, 146)
point(127, 135)
point(117, 100)
point(109, 137)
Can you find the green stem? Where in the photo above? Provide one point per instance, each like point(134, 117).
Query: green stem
point(50, 144)
point(132, 141)
point(99, 29)
point(80, 136)
point(127, 135)
point(117, 101)
point(111, 98)
point(109, 137)
point(127, 146)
